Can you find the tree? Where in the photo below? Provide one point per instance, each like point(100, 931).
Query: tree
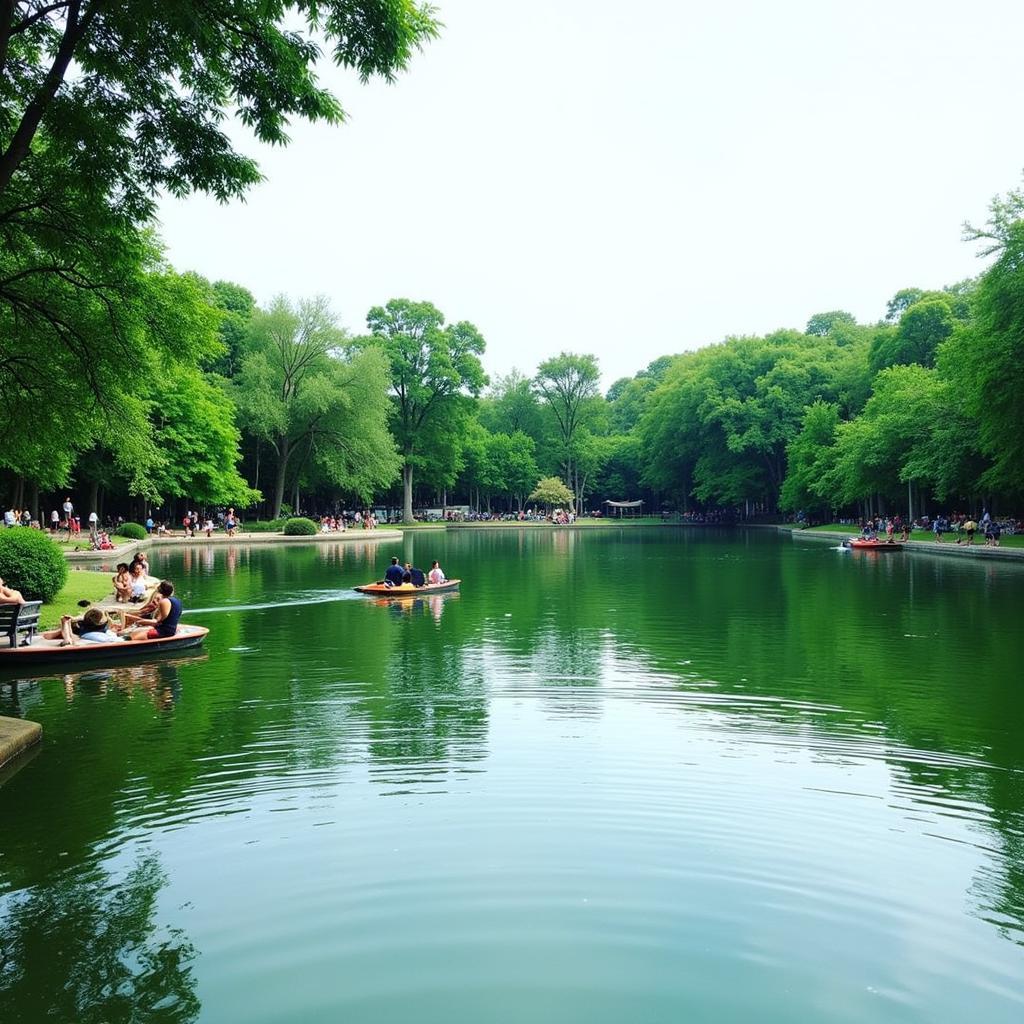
point(566, 383)
point(135, 93)
point(921, 329)
point(299, 390)
point(808, 457)
point(434, 369)
point(551, 491)
point(103, 106)
point(198, 442)
point(511, 406)
point(984, 359)
point(822, 324)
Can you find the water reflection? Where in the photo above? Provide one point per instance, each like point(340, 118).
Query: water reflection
point(159, 681)
point(87, 948)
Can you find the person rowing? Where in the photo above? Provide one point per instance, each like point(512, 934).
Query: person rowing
point(162, 621)
point(394, 574)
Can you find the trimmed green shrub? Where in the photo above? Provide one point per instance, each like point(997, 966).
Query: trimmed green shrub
point(133, 531)
point(300, 527)
point(265, 526)
point(32, 563)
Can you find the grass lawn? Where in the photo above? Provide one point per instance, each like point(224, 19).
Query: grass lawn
point(1016, 541)
point(81, 586)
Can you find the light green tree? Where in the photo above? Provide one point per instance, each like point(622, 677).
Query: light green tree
point(312, 400)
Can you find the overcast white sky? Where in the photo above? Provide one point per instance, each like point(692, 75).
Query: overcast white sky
point(639, 179)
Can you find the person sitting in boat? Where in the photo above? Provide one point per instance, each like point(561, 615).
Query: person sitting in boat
point(164, 620)
point(436, 575)
point(93, 627)
point(394, 576)
point(417, 577)
point(122, 583)
point(8, 595)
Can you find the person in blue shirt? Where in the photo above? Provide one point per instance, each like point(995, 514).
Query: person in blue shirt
point(394, 574)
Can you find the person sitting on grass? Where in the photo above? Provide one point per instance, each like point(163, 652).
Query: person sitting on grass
point(8, 595)
point(162, 620)
point(122, 584)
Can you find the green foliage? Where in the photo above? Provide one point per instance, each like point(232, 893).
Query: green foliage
point(822, 324)
point(300, 527)
point(133, 531)
point(921, 329)
point(321, 405)
point(568, 385)
point(984, 359)
point(434, 369)
point(265, 526)
point(32, 563)
point(552, 491)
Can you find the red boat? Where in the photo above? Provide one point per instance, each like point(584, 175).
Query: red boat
point(863, 544)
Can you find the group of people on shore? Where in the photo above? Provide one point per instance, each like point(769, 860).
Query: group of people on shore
point(965, 527)
point(397, 575)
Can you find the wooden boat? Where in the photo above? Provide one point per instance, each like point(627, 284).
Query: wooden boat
point(863, 544)
point(41, 650)
point(407, 590)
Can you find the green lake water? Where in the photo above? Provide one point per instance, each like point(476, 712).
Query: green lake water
point(641, 775)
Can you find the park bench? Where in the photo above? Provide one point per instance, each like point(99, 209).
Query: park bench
point(19, 618)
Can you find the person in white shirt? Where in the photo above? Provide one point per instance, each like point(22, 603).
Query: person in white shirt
point(94, 522)
point(436, 574)
point(54, 521)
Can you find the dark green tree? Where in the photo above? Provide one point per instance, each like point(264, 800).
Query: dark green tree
point(434, 371)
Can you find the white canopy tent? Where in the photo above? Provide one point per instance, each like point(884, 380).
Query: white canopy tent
point(633, 507)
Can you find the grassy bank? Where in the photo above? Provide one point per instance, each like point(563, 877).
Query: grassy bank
point(81, 586)
point(1017, 541)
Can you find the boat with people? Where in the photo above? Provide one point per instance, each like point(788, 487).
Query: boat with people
point(40, 650)
point(407, 589)
point(872, 544)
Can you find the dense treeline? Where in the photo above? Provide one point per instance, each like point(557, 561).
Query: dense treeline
point(139, 387)
point(281, 409)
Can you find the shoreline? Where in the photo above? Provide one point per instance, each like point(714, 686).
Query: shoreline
point(131, 546)
point(949, 548)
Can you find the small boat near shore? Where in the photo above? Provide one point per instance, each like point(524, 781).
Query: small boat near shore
point(408, 590)
point(864, 544)
point(43, 651)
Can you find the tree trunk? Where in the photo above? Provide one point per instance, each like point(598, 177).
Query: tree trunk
point(407, 493)
point(282, 468)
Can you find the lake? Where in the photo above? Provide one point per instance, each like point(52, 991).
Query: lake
point(650, 774)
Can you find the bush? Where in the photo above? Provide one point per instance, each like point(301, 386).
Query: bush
point(32, 563)
point(265, 526)
point(300, 527)
point(132, 531)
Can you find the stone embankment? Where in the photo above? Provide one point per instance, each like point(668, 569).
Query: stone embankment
point(16, 736)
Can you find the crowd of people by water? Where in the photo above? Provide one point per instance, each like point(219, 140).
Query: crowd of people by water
point(963, 527)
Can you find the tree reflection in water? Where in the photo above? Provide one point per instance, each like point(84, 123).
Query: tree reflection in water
point(87, 949)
